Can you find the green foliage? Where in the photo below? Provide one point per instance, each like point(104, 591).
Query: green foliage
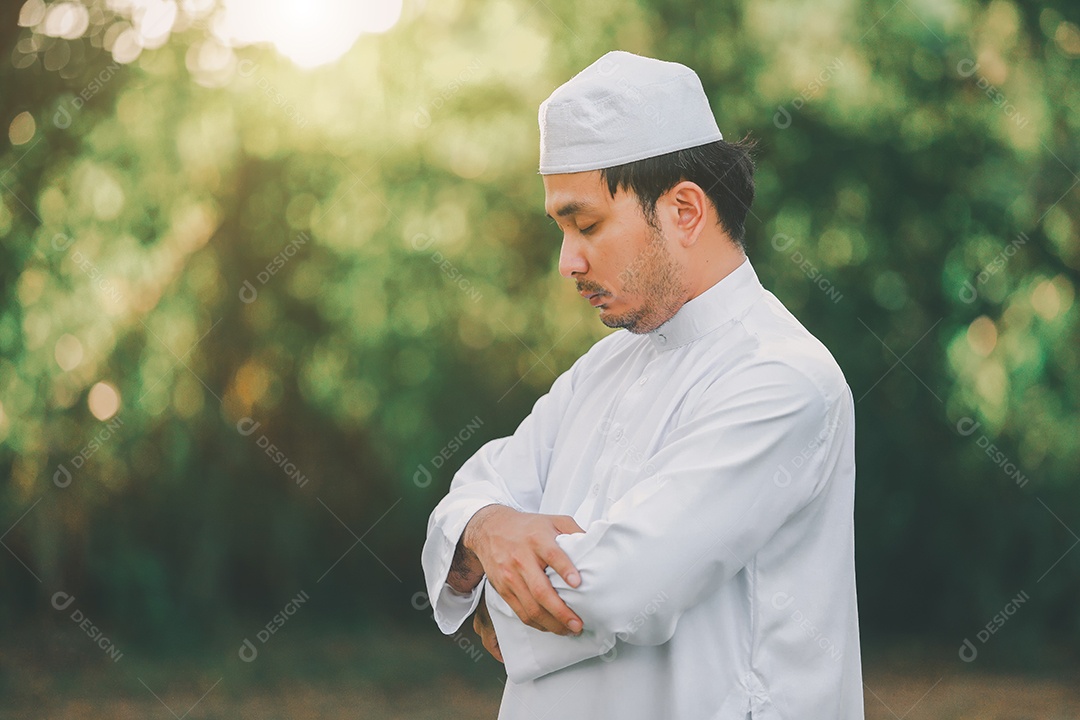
point(356, 259)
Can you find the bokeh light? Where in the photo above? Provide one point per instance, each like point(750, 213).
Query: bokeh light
point(103, 400)
point(308, 32)
point(68, 352)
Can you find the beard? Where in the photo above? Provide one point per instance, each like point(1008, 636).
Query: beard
point(658, 279)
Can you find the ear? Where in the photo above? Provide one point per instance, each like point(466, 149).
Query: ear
point(690, 211)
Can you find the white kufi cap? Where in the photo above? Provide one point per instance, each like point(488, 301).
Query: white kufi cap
point(622, 108)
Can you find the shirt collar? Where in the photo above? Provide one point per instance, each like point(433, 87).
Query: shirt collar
point(725, 300)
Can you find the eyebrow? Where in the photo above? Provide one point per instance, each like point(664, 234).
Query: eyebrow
point(572, 208)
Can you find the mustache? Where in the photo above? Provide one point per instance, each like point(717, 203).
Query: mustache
point(590, 288)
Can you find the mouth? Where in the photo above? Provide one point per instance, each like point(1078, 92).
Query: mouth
point(595, 299)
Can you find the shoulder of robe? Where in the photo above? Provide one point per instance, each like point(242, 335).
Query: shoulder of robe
point(792, 377)
point(613, 349)
point(795, 357)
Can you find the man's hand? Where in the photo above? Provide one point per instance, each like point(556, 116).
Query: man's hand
point(514, 548)
point(481, 623)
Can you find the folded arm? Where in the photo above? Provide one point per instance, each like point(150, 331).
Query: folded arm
point(509, 471)
point(712, 499)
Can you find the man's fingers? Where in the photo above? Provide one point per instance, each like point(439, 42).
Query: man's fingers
point(566, 524)
point(556, 558)
point(532, 613)
point(546, 597)
point(495, 649)
point(491, 644)
point(484, 628)
point(560, 561)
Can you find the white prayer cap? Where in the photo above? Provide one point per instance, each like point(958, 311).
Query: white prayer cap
point(622, 108)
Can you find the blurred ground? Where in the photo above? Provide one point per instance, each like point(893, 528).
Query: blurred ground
point(336, 676)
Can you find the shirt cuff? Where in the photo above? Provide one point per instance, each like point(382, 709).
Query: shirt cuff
point(529, 653)
point(450, 607)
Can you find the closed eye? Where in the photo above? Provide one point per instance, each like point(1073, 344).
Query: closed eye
point(588, 230)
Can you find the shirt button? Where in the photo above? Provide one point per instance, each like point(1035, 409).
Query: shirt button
point(662, 339)
point(642, 380)
point(595, 490)
point(618, 435)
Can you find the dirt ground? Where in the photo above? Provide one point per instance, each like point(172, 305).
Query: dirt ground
point(416, 676)
point(989, 698)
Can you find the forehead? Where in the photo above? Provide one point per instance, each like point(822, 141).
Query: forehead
point(569, 194)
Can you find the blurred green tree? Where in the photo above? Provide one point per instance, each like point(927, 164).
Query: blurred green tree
point(253, 312)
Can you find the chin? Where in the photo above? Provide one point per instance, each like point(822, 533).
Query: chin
point(630, 320)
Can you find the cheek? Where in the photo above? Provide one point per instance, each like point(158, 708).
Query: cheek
point(626, 267)
point(617, 258)
point(610, 268)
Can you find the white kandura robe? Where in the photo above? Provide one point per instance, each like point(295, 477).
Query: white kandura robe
point(711, 463)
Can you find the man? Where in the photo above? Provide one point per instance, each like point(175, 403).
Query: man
point(669, 533)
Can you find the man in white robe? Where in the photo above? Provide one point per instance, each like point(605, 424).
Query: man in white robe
point(669, 533)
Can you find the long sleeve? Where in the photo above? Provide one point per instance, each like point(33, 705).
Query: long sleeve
point(752, 454)
point(510, 471)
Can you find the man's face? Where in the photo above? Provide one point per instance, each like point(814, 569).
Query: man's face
point(611, 250)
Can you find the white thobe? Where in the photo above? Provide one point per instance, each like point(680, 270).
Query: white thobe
point(711, 463)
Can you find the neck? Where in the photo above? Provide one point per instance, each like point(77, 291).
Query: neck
point(712, 269)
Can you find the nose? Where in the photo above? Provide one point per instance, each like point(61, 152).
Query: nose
point(571, 260)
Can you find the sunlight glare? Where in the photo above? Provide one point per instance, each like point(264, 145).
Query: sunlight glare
point(308, 32)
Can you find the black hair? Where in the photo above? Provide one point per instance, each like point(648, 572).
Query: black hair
point(725, 171)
